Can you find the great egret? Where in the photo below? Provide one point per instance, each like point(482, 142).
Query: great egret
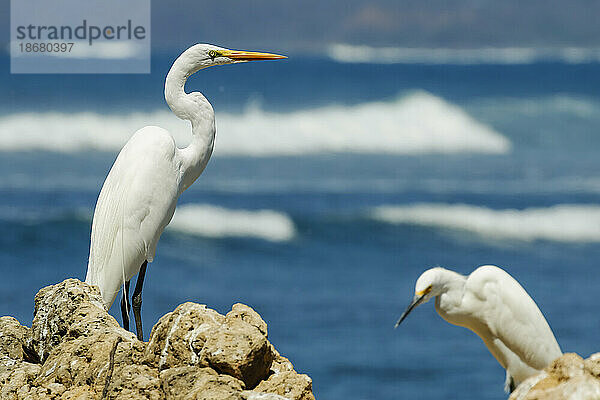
point(495, 306)
point(139, 195)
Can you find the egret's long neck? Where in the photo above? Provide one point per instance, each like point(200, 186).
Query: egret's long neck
point(451, 297)
point(195, 108)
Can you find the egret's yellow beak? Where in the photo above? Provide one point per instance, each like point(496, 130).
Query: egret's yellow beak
point(241, 55)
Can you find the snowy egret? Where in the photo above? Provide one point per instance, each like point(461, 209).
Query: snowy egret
point(495, 306)
point(139, 195)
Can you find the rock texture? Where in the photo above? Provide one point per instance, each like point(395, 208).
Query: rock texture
point(76, 350)
point(569, 377)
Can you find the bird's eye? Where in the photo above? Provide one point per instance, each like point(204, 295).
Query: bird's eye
point(212, 54)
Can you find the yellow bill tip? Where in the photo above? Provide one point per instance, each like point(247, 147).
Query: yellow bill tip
point(241, 55)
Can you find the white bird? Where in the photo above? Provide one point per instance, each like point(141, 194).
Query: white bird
point(139, 195)
point(495, 306)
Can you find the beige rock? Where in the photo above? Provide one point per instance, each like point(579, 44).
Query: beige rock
point(251, 395)
point(179, 336)
point(134, 382)
point(570, 365)
point(289, 384)
point(568, 377)
point(239, 349)
point(280, 364)
point(79, 393)
point(57, 308)
point(592, 365)
point(88, 360)
point(16, 381)
point(76, 351)
point(16, 372)
point(15, 342)
point(248, 315)
point(196, 335)
point(187, 383)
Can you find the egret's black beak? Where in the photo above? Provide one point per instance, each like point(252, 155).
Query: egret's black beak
point(416, 301)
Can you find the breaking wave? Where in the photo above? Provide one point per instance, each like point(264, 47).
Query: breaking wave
point(563, 223)
point(505, 55)
point(416, 123)
point(217, 222)
point(192, 219)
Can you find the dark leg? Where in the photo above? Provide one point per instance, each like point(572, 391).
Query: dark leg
point(125, 306)
point(512, 385)
point(136, 301)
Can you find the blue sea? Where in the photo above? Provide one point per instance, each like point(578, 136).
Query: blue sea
point(332, 186)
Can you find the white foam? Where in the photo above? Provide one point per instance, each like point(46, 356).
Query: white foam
point(577, 106)
point(192, 219)
point(505, 55)
point(413, 124)
point(217, 222)
point(564, 223)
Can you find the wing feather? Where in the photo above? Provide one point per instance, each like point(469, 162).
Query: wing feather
point(512, 317)
point(136, 202)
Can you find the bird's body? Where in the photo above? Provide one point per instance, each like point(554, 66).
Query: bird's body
point(495, 306)
point(136, 203)
point(140, 193)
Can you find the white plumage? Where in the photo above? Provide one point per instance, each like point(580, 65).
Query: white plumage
point(139, 195)
point(495, 306)
point(136, 203)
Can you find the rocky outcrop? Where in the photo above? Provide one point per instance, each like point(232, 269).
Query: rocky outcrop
point(568, 377)
point(76, 350)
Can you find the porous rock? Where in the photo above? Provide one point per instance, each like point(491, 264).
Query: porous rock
point(239, 349)
point(284, 382)
point(90, 360)
point(193, 334)
point(76, 351)
point(15, 342)
point(184, 383)
point(288, 384)
point(569, 377)
point(248, 315)
point(133, 381)
point(16, 380)
point(179, 336)
point(61, 306)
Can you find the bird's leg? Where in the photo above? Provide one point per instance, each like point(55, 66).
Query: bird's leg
point(125, 305)
point(509, 384)
point(136, 301)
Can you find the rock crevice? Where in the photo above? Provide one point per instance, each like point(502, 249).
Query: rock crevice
point(76, 350)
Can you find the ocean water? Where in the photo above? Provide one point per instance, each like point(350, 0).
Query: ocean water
point(332, 186)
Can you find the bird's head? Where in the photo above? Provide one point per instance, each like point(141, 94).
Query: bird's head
point(207, 55)
point(430, 284)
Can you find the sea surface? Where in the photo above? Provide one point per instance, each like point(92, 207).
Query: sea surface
point(332, 186)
